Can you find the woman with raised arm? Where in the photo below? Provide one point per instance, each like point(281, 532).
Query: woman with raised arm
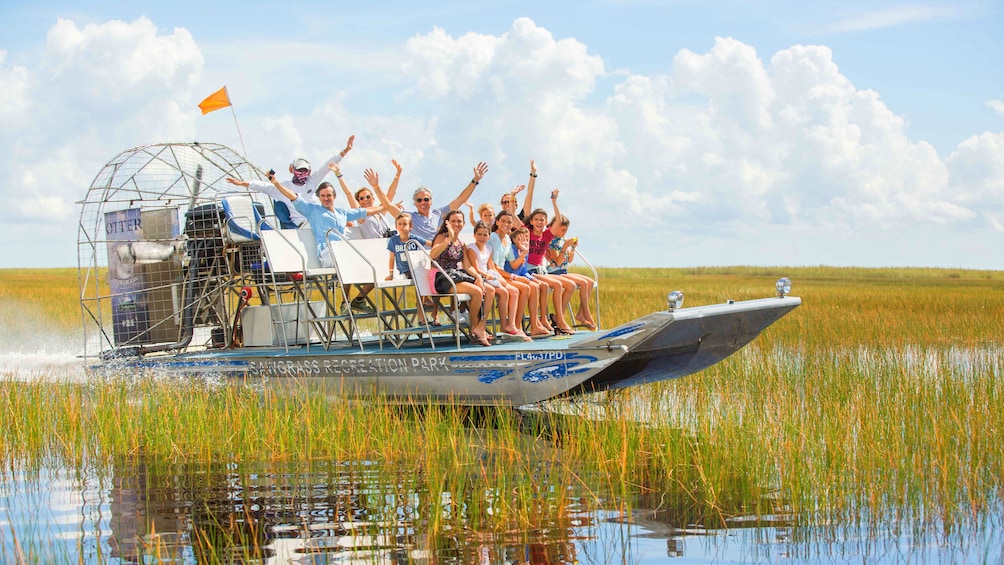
point(448, 251)
point(540, 237)
point(508, 201)
point(377, 226)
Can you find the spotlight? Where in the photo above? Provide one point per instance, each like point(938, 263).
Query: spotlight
point(675, 300)
point(783, 286)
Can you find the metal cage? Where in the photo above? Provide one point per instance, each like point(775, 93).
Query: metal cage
point(160, 265)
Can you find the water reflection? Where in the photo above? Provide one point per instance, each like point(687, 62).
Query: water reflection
point(145, 510)
point(326, 513)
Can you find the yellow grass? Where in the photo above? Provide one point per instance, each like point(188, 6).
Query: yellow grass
point(876, 402)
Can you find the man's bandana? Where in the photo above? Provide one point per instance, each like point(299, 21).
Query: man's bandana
point(300, 177)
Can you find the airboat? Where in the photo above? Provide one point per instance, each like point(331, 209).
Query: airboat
point(183, 273)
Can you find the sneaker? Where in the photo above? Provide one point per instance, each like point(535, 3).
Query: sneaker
point(463, 319)
point(362, 305)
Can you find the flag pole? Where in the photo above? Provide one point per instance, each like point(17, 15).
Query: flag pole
point(241, 136)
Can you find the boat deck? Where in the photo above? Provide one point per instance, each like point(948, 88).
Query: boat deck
point(371, 346)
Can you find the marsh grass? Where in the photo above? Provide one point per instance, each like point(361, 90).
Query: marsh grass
point(50, 293)
point(875, 407)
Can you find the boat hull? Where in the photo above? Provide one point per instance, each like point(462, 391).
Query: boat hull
point(670, 345)
point(660, 346)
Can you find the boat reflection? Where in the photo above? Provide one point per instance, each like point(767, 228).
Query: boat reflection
point(326, 513)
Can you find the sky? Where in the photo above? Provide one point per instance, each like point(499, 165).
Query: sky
point(679, 132)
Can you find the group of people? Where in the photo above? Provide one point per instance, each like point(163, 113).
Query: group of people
point(518, 258)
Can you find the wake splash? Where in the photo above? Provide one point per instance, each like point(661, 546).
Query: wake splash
point(42, 364)
point(31, 349)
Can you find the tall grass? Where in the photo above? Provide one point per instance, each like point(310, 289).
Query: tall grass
point(876, 405)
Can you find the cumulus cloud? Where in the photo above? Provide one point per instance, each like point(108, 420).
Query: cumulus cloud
point(996, 106)
point(719, 146)
point(116, 84)
point(14, 99)
point(722, 141)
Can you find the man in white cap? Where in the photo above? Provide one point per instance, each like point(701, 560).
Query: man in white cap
point(304, 182)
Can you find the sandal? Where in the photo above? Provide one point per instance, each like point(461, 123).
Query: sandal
point(517, 335)
point(480, 339)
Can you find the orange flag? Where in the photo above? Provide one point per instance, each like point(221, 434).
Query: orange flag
point(215, 101)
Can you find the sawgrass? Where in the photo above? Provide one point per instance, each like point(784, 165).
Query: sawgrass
point(51, 294)
point(875, 406)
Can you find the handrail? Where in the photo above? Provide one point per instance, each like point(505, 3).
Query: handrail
point(345, 293)
point(275, 286)
point(376, 283)
point(418, 291)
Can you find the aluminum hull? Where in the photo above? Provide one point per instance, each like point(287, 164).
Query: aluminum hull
point(660, 346)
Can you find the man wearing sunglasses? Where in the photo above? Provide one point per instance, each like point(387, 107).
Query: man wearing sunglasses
point(425, 220)
point(304, 182)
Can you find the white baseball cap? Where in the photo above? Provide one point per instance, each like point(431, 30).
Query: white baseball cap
point(301, 163)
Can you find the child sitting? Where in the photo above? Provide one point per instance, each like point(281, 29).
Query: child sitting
point(560, 252)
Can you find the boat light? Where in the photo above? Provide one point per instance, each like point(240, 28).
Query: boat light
point(783, 286)
point(675, 300)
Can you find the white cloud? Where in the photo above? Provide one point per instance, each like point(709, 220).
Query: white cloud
point(14, 99)
point(890, 17)
point(977, 171)
point(722, 146)
point(996, 106)
point(95, 91)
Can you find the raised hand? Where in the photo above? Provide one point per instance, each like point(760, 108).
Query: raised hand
point(372, 177)
point(348, 145)
point(517, 189)
point(533, 167)
point(480, 170)
point(554, 194)
point(396, 166)
point(334, 167)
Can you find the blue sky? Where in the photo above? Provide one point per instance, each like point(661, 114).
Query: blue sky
point(680, 133)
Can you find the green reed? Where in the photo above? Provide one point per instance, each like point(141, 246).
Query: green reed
point(875, 404)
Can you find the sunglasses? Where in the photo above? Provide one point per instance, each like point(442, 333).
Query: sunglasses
point(423, 199)
point(507, 201)
point(365, 197)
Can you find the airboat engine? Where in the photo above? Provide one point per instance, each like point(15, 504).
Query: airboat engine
point(154, 248)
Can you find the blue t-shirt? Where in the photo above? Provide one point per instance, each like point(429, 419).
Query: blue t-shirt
point(520, 271)
point(321, 220)
point(501, 249)
point(398, 248)
point(424, 228)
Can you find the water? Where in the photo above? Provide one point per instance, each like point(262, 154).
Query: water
point(351, 513)
point(144, 510)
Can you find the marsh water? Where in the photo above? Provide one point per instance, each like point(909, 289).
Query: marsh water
point(143, 510)
point(359, 512)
